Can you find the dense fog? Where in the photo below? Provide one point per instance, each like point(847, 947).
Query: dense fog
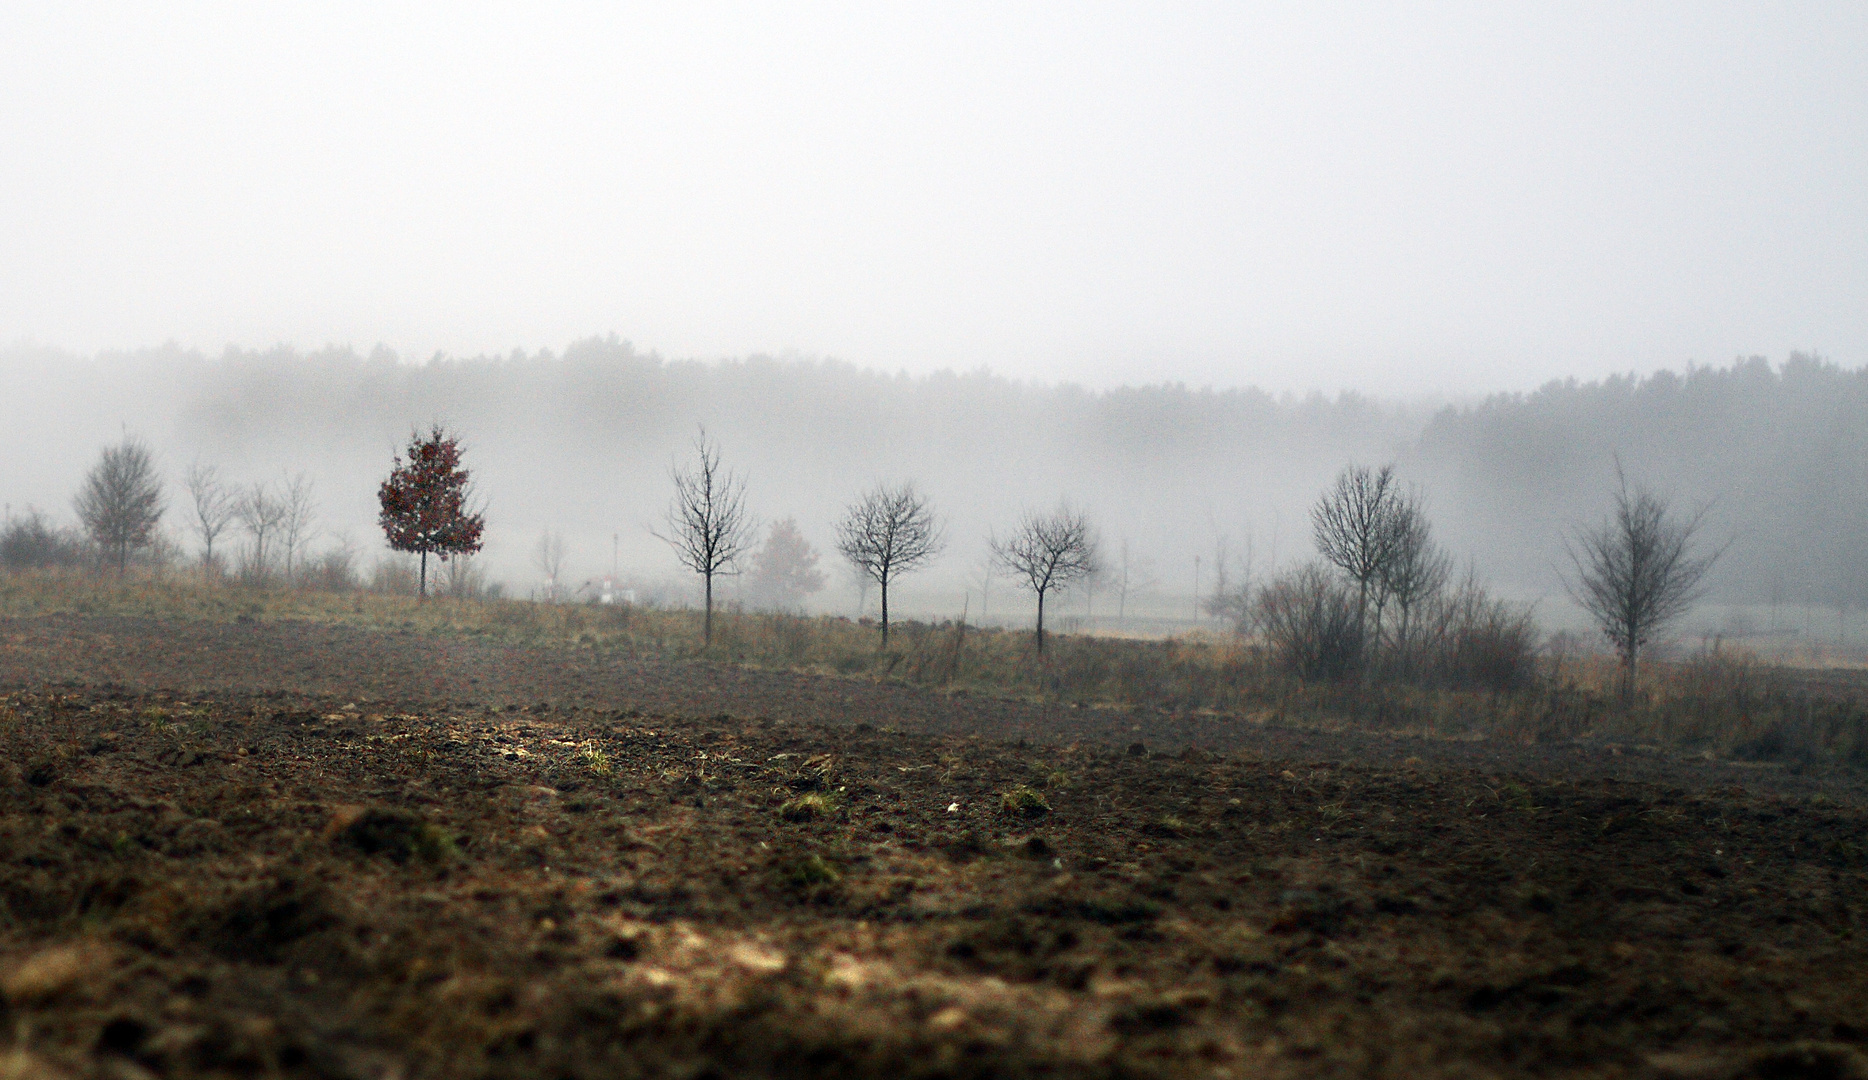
point(581, 442)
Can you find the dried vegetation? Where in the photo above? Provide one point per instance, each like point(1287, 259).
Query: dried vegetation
point(1723, 703)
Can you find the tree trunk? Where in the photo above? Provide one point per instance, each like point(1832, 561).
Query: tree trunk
point(1362, 628)
point(422, 590)
point(885, 612)
point(1040, 622)
point(707, 619)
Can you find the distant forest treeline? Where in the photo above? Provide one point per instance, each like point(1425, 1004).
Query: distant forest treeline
point(580, 442)
point(1779, 453)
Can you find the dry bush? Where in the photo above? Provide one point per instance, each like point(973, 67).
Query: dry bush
point(1463, 640)
point(394, 575)
point(1310, 620)
point(29, 543)
point(1476, 641)
point(462, 577)
point(1723, 702)
point(1728, 702)
point(334, 571)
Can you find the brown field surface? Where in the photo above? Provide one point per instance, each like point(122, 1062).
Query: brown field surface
point(298, 849)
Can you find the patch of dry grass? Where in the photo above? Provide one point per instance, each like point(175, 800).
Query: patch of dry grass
point(1728, 703)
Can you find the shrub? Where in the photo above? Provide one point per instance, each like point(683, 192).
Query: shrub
point(334, 571)
point(393, 575)
point(1309, 620)
point(1475, 641)
point(462, 576)
point(28, 543)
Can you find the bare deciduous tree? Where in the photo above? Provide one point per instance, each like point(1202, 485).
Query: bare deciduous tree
point(261, 513)
point(548, 557)
point(461, 576)
point(1357, 528)
point(1416, 574)
point(708, 525)
point(1232, 600)
point(862, 583)
point(886, 533)
point(1089, 583)
point(1133, 574)
point(298, 510)
point(1047, 552)
point(1636, 571)
point(984, 571)
point(214, 509)
point(121, 500)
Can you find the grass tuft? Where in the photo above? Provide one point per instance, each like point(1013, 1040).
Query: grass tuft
point(596, 760)
point(813, 873)
point(808, 807)
point(1024, 801)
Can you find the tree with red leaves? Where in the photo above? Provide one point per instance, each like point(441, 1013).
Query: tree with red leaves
point(425, 502)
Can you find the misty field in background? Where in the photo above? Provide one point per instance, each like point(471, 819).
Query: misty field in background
point(1376, 632)
point(578, 442)
point(1383, 621)
point(1725, 703)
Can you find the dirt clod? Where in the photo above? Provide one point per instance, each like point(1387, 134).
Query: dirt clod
point(45, 975)
point(394, 834)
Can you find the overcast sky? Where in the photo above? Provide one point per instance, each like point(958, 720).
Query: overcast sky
point(1403, 199)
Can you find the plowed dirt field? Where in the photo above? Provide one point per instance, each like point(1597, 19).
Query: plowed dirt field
point(286, 849)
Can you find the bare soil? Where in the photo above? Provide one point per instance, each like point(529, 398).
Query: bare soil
point(290, 849)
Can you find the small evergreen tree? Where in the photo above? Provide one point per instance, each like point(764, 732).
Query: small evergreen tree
point(784, 570)
point(425, 502)
point(121, 500)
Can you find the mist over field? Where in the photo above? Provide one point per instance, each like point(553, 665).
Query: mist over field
point(1031, 239)
point(580, 443)
point(974, 539)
